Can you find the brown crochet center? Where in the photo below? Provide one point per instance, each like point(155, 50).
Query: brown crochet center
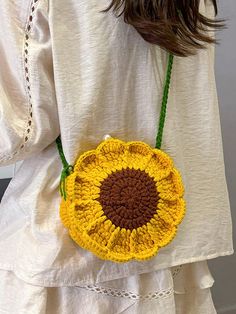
point(129, 198)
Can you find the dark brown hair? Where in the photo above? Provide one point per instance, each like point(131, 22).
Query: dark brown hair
point(175, 25)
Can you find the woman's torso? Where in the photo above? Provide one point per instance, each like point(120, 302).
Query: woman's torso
point(108, 80)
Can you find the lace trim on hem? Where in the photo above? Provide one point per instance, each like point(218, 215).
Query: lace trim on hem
point(175, 270)
point(129, 294)
point(132, 295)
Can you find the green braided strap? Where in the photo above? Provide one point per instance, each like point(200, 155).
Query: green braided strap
point(164, 102)
point(66, 171)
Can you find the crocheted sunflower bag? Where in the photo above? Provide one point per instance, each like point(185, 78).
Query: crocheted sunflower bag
point(123, 200)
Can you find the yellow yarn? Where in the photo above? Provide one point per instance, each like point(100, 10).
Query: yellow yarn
point(84, 215)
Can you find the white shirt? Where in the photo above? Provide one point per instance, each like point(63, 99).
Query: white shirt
point(68, 69)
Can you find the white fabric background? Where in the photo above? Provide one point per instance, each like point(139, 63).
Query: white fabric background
point(176, 291)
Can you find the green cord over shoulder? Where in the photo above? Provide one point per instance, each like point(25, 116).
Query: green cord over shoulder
point(164, 102)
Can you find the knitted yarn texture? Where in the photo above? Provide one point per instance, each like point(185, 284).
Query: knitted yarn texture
point(123, 200)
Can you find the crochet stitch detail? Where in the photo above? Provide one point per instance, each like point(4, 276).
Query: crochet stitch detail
point(124, 200)
point(128, 198)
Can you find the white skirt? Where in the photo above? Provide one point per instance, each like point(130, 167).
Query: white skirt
point(183, 289)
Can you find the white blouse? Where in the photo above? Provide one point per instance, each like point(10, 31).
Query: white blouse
point(66, 68)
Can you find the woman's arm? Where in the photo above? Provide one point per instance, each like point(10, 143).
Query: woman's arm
point(28, 108)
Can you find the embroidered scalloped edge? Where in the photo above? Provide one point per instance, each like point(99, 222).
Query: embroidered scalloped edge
point(27, 131)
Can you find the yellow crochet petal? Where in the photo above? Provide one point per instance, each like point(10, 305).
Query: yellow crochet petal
point(119, 241)
point(83, 213)
point(100, 232)
point(86, 188)
point(138, 154)
point(110, 166)
point(81, 186)
point(88, 159)
point(70, 186)
point(98, 164)
point(88, 238)
point(143, 246)
point(95, 239)
point(81, 238)
point(77, 237)
point(171, 211)
point(64, 212)
point(171, 187)
point(111, 148)
point(113, 155)
point(92, 238)
point(89, 165)
point(161, 231)
point(159, 165)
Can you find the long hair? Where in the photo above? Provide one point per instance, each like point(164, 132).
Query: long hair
point(175, 25)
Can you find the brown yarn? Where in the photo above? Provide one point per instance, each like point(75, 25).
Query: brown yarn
point(129, 198)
